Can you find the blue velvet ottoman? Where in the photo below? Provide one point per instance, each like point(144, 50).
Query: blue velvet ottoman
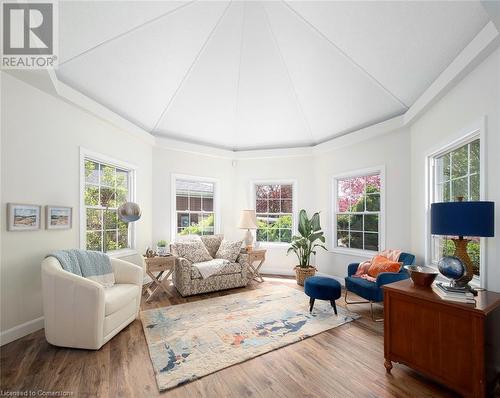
point(322, 288)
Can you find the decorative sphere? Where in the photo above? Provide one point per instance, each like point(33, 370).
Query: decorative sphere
point(129, 212)
point(451, 267)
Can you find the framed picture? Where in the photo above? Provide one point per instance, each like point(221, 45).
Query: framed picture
point(23, 217)
point(58, 217)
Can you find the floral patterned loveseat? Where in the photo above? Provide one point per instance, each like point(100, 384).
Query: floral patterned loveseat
point(188, 280)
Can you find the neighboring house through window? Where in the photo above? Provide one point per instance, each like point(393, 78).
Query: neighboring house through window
point(455, 173)
point(358, 211)
point(274, 204)
point(195, 211)
point(106, 184)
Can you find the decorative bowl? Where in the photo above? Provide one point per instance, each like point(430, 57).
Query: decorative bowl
point(421, 275)
point(451, 267)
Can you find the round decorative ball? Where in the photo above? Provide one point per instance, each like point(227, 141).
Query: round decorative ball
point(129, 212)
point(451, 267)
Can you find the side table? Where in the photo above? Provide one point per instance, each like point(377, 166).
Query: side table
point(254, 256)
point(160, 265)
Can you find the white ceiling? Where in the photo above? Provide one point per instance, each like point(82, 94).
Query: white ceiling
point(260, 74)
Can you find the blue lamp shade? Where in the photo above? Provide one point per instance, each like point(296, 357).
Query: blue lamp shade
point(463, 219)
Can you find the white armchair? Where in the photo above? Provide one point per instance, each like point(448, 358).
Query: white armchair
point(81, 313)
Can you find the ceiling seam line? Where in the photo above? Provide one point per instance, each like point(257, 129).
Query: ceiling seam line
point(268, 22)
point(303, 19)
point(236, 107)
point(127, 32)
point(195, 60)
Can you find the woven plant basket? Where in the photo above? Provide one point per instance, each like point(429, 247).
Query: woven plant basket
point(303, 273)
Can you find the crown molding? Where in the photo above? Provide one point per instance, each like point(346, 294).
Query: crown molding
point(86, 103)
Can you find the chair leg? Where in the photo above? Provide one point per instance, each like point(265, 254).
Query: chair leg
point(364, 302)
point(332, 302)
point(311, 304)
point(354, 302)
point(373, 315)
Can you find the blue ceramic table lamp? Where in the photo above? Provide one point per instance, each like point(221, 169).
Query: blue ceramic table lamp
point(461, 219)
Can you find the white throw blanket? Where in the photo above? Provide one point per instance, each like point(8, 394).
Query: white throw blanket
point(208, 268)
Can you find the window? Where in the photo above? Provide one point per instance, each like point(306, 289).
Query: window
point(274, 207)
point(194, 206)
point(105, 187)
point(357, 211)
point(456, 175)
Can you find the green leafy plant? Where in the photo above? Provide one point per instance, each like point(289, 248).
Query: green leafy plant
point(205, 226)
point(162, 243)
point(306, 243)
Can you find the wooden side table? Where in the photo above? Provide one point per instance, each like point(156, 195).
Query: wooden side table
point(254, 256)
point(160, 265)
point(455, 344)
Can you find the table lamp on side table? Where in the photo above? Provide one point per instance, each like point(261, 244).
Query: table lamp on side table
point(461, 219)
point(248, 221)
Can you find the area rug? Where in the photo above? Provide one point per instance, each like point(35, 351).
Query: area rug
point(188, 341)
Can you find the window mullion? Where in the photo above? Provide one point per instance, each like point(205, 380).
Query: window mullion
point(468, 172)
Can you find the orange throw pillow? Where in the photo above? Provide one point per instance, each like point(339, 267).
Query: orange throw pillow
point(383, 264)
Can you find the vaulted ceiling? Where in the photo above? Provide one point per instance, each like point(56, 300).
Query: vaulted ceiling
point(260, 74)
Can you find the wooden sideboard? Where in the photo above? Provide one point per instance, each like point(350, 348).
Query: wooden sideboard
point(456, 344)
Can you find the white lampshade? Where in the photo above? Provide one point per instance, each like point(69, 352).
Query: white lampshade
point(248, 220)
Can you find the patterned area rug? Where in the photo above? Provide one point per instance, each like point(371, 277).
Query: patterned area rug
point(188, 341)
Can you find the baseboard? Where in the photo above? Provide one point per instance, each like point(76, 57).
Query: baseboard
point(22, 330)
point(285, 272)
point(277, 271)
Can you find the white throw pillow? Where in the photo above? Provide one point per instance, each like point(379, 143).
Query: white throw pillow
point(229, 250)
point(194, 251)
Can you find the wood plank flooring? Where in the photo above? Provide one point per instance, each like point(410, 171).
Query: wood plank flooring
point(343, 362)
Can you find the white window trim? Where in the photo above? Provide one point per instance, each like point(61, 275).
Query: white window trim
point(173, 201)
point(294, 184)
point(333, 202)
point(132, 169)
point(465, 136)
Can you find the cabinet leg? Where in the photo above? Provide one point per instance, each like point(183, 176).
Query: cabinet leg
point(388, 365)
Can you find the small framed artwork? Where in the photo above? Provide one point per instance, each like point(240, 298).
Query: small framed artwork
point(58, 217)
point(22, 217)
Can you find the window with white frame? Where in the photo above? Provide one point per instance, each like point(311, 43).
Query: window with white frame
point(274, 208)
point(358, 211)
point(456, 175)
point(106, 186)
point(194, 206)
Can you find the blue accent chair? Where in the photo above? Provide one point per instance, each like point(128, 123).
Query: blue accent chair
point(372, 291)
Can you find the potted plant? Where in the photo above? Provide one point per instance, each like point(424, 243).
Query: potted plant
point(161, 247)
point(305, 244)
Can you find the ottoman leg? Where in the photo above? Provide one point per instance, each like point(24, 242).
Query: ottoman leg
point(332, 302)
point(311, 304)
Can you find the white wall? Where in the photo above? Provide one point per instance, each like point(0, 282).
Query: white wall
point(167, 162)
point(475, 97)
point(40, 164)
point(391, 151)
point(298, 169)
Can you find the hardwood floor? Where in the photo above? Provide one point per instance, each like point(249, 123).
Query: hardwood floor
point(343, 362)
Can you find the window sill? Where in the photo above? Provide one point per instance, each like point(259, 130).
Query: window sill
point(122, 253)
point(354, 252)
